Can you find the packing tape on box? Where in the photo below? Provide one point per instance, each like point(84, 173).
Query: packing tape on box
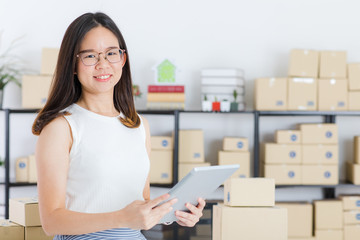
point(303, 80)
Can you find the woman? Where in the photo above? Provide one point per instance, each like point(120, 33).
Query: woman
point(92, 151)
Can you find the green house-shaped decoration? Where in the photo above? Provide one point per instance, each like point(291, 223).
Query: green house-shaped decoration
point(165, 72)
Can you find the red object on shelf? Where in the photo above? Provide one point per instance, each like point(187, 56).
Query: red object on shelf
point(216, 106)
point(166, 88)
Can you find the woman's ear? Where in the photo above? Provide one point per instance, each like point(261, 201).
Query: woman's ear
point(124, 59)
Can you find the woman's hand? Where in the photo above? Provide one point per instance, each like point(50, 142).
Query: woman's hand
point(190, 219)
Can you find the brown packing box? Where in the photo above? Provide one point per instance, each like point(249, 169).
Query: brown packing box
point(320, 174)
point(328, 214)
point(161, 166)
point(304, 63)
point(32, 171)
point(191, 146)
point(48, 60)
point(282, 153)
point(302, 238)
point(353, 173)
point(203, 229)
point(350, 202)
point(329, 234)
point(354, 76)
point(357, 149)
point(161, 143)
point(354, 101)
point(271, 94)
point(241, 158)
point(288, 136)
point(185, 168)
point(320, 154)
point(302, 94)
point(333, 64)
point(35, 90)
point(352, 217)
point(332, 95)
point(22, 169)
point(300, 218)
point(235, 144)
point(249, 192)
point(352, 232)
point(284, 174)
point(322, 133)
point(36, 233)
point(253, 223)
point(10, 230)
point(24, 211)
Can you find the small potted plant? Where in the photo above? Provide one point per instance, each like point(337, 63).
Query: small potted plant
point(206, 105)
point(216, 105)
point(234, 107)
point(225, 105)
point(136, 92)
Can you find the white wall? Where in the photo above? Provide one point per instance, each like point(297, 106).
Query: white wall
point(253, 35)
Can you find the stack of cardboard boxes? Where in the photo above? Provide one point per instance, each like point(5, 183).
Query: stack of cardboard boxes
point(24, 221)
point(353, 168)
point(248, 211)
point(236, 151)
point(306, 156)
point(26, 169)
point(161, 160)
point(351, 206)
point(191, 151)
point(35, 88)
point(328, 220)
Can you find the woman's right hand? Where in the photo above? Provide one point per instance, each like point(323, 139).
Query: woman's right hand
point(146, 214)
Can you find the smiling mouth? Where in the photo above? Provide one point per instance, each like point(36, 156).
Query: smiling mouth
point(102, 77)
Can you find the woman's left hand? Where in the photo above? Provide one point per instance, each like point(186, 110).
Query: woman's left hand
point(190, 219)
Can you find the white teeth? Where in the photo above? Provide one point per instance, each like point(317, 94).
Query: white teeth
point(104, 77)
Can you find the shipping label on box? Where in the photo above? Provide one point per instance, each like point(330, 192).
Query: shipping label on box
point(354, 101)
point(185, 168)
point(333, 64)
point(10, 230)
point(191, 146)
point(302, 94)
point(352, 217)
point(49, 60)
point(352, 232)
point(354, 76)
point(288, 136)
point(161, 166)
point(328, 214)
point(282, 153)
point(320, 154)
point(332, 95)
point(235, 144)
point(283, 174)
point(24, 211)
point(357, 149)
point(350, 202)
point(304, 63)
point(22, 169)
point(271, 94)
point(300, 218)
point(35, 90)
point(231, 223)
point(36, 233)
point(241, 158)
point(320, 174)
point(161, 143)
point(353, 173)
point(249, 192)
point(329, 234)
point(325, 133)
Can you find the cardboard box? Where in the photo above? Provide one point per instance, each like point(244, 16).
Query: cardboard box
point(353, 173)
point(161, 143)
point(357, 149)
point(191, 146)
point(352, 217)
point(21, 169)
point(203, 229)
point(288, 136)
point(302, 94)
point(320, 154)
point(332, 95)
point(32, 170)
point(36, 233)
point(352, 232)
point(283, 174)
point(249, 192)
point(185, 168)
point(329, 234)
point(161, 166)
point(300, 218)
point(304, 63)
point(350, 202)
point(323, 133)
point(271, 94)
point(328, 214)
point(24, 211)
point(10, 230)
point(35, 90)
point(282, 153)
point(354, 101)
point(242, 158)
point(49, 59)
point(302, 238)
point(253, 223)
point(333, 64)
point(354, 76)
point(235, 144)
point(320, 174)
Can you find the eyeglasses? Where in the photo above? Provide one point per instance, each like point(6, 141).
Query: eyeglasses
point(91, 58)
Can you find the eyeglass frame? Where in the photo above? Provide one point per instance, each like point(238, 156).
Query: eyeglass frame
point(98, 54)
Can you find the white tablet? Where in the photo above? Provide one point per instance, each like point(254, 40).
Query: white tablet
point(200, 182)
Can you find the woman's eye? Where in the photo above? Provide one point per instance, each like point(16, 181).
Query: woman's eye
point(90, 56)
point(112, 53)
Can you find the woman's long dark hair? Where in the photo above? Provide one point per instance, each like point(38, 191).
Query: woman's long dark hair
point(66, 88)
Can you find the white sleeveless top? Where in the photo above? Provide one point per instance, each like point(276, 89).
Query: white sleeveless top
point(108, 165)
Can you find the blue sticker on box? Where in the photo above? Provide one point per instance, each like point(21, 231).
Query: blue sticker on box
point(164, 175)
point(279, 103)
point(292, 154)
point(328, 155)
point(310, 103)
point(327, 174)
point(242, 176)
point(291, 174)
point(358, 203)
point(341, 104)
point(164, 143)
point(197, 155)
point(328, 134)
point(22, 165)
point(358, 216)
point(293, 137)
point(228, 196)
point(240, 145)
